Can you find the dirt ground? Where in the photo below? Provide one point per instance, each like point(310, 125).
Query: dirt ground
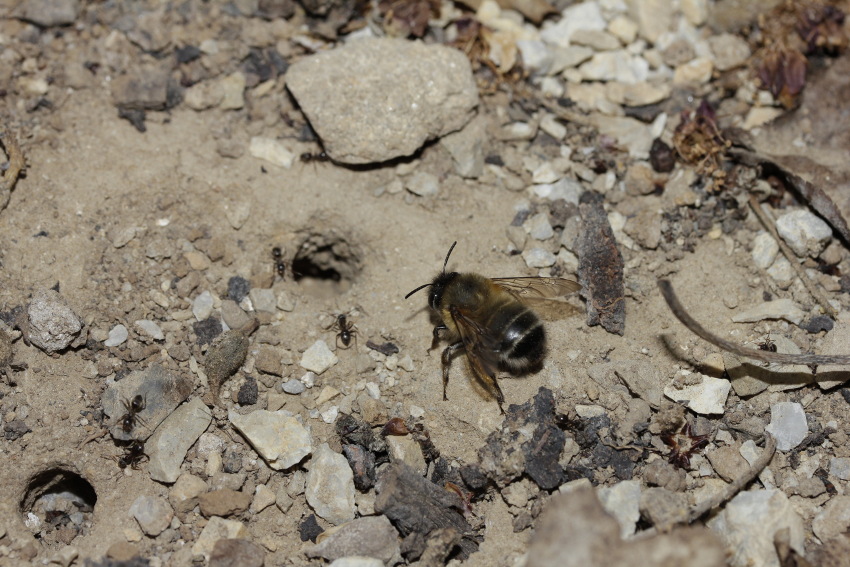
point(91, 175)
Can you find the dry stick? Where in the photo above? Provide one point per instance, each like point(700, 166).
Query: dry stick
point(738, 484)
point(16, 160)
point(770, 225)
point(766, 356)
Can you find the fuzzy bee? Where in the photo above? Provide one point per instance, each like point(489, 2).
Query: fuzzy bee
point(489, 319)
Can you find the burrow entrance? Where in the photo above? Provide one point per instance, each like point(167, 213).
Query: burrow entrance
point(58, 505)
point(327, 256)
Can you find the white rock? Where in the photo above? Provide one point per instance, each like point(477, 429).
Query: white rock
point(423, 184)
point(202, 306)
point(839, 467)
point(696, 70)
point(618, 65)
point(782, 272)
point(623, 502)
point(153, 514)
point(330, 486)
point(279, 438)
point(623, 28)
point(272, 151)
point(405, 449)
point(263, 498)
point(330, 414)
point(538, 226)
point(150, 328)
point(707, 397)
point(629, 133)
point(834, 519)
point(581, 16)
point(566, 189)
point(787, 424)
point(318, 357)
point(568, 58)
point(761, 115)
point(218, 528)
point(53, 325)
point(765, 249)
point(804, 232)
point(536, 55)
point(539, 258)
point(373, 390)
point(653, 17)
point(357, 561)
point(749, 523)
point(730, 51)
point(780, 309)
point(117, 335)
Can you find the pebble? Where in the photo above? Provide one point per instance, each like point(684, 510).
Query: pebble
point(223, 502)
point(229, 552)
point(232, 90)
point(117, 335)
point(153, 513)
point(623, 502)
point(406, 450)
point(309, 379)
point(263, 498)
point(202, 306)
point(539, 258)
point(233, 315)
point(293, 386)
point(238, 288)
point(53, 325)
point(184, 493)
point(423, 184)
point(65, 556)
point(215, 530)
point(707, 397)
point(373, 537)
point(279, 438)
point(839, 467)
point(780, 309)
point(629, 133)
point(197, 260)
point(357, 562)
point(536, 56)
point(749, 523)
point(834, 519)
point(285, 302)
point(581, 16)
point(373, 390)
point(730, 51)
point(466, 148)
point(765, 249)
point(787, 424)
point(49, 13)
point(330, 486)
point(168, 446)
point(804, 232)
point(264, 300)
point(318, 357)
point(271, 151)
point(151, 329)
point(538, 226)
point(837, 341)
point(697, 71)
point(407, 93)
point(653, 17)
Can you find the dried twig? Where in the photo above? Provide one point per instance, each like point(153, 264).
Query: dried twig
point(763, 355)
point(770, 225)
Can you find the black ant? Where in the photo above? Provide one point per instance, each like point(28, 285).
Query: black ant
point(308, 157)
point(128, 420)
point(279, 264)
point(767, 345)
point(346, 329)
point(133, 455)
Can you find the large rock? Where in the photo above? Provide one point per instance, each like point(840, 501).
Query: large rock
point(330, 486)
point(377, 99)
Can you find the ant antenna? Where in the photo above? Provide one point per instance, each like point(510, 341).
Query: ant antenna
point(446, 263)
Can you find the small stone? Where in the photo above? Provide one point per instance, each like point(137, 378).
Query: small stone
point(279, 438)
point(197, 260)
point(263, 498)
point(153, 514)
point(232, 89)
point(117, 335)
point(619, 65)
point(730, 51)
point(224, 502)
point(238, 288)
point(65, 556)
point(272, 151)
point(283, 500)
point(538, 227)
point(183, 495)
point(539, 258)
point(53, 326)
point(623, 502)
point(293, 387)
point(706, 397)
point(653, 17)
point(150, 329)
point(581, 16)
point(728, 462)
point(405, 449)
point(215, 530)
point(233, 315)
point(833, 519)
point(268, 361)
point(330, 486)
point(48, 13)
point(264, 300)
point(623, 29)
point(536, 55)
point(804, 232)
point(423, 184)
point(168, 446)
point(787, 424)
point(765, 249)
point(236, 553)
point(285, 301)
point(696, 71)
point(202, 306)
point(664, 508)
point(839, 467)
point(780, 309)
point(597, 40)
point(248, 393)
point(357, 562)
point(318, 357)
point(373, 537)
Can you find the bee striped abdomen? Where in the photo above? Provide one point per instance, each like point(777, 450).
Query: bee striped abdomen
point(521, 338)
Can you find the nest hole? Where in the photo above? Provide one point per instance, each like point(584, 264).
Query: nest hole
point(328, 258)
point(58, 505)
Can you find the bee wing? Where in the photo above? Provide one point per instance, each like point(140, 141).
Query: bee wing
point(480, 345)
point(537, 287)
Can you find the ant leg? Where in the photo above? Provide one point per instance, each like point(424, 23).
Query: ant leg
point(447, 361)
point(436, 334)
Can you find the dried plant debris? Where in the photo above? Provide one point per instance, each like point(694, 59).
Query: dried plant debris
point(11, 169)
point(683, 444)
point(699, 142)
point(600, 267)
point(408, 18)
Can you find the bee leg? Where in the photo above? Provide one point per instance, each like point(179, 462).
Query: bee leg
point(436, 334)
point(447, 361)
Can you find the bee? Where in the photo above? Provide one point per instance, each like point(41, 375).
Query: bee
point(488, 319)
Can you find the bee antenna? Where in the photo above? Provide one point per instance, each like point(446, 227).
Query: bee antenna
point(446, 263)
point(417, 289)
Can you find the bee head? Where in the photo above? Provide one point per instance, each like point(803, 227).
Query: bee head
point(439, 284)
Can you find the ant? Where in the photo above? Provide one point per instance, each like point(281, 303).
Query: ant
point(346, 329)
point(307, 157)
point(279, 264)
point(128, 420)
point(767, 345)
point(133, 455)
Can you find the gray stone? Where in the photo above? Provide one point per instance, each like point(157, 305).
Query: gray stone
point(749, 523)
point(833, 519)
point(423, 184)
point(653, 17)
point(293, 386)
point(629, 133)
point(780, 309)
point(623, 502)
point(539, 258)
point(664, 508)
point(581, 16)
point(263, 498)
point(215, 530)
point(706, 397)
point(236, 553)
point(169, 444)
point(53, 325)
point(117, 335)
point(150, 329)
point(405, 449)
point(263, 300)
point(233, 316)
point(730, 51)
point(318, 357)
point(161, 392)
point(467, 148)
point(357, 562)
point(330, 486)
point(278, 437)
point(804, 232)
point(153, 514)
point(272, 151)
point(144, 87)
point(619, 65)
point(728, 462)
point(787, 424)
point(49, 13)
point(538, 226)
point(184, 493)
point(765, 250)
point(394, 94)
point(839, 467)
point(202, 306)
point(364, 537)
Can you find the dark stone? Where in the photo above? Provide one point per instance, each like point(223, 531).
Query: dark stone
point(845, 393)
point(661, 156)
point(362, 463)
point(187, 54)
point(236, 553)
point(542, 452)
point(231, 461)
point(309, 529)
point(238, 288)
point(473, 477)
point(135, 116)
point(15, 429)
point(817, 324)
point(207, 330)
point(248, 392)
point(355, 431)
point(440, 473)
